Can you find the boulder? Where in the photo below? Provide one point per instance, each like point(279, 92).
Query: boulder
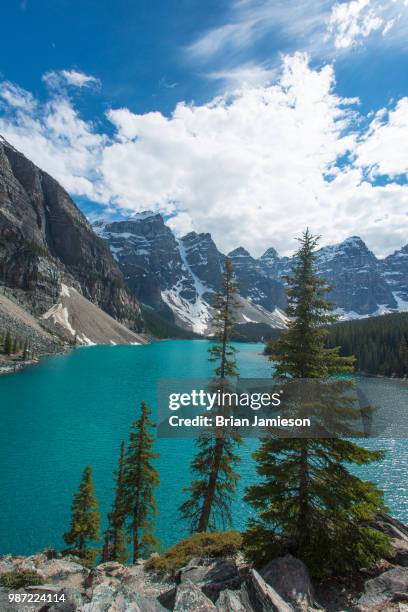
point(290, 578)
point(212, 575)
point(189, 598)
point(391, 526)
point(63, 573)
point(261, 596)
point(231, 601)
point(385, 587)
point(400, 552)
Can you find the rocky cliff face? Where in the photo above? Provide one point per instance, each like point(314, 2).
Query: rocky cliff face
point(255, 284)
point(178, 277)
point(395, 272)
point(45, 239)
point(356, 275)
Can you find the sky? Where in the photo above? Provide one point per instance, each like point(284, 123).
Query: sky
point(249, 119)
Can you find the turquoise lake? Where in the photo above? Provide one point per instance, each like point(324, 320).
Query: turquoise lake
point(73, 410)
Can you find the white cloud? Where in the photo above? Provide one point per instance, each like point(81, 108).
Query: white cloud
point(352, 21)
point(383, 150)
point(63, 78)
point(253, 168)
point(56, 139)
point(249, 74)
point(323, 28)
point(16, 97)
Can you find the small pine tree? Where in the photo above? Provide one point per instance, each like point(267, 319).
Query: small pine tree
point(16, 345)
point(25, 353)
point(308, 501)
point(115, 539)
point(211, 492)
point(8, 343)
point(140, 480)
point(84, 519)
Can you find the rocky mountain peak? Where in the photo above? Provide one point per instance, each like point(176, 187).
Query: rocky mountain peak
point(239, 252)
point(270, 254)
point(355, 273)
point(45, 238)
point(395, 271)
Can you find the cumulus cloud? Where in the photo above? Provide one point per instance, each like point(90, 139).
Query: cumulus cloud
point(383, 150)
point(352, 21)
point(55, 138)
point(253, 168)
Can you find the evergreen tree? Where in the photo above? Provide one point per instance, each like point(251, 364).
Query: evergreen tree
point(8, 343)
point(25, 354)
point(84, 519)
point(212, 490)
point(115, 540)
point(307, 500)
point(140, 480)
point(403, 354)
point(379, 343)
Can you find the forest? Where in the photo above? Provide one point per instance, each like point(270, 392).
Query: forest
point(379, 344)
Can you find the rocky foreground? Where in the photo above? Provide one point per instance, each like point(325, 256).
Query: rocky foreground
point(205, 585)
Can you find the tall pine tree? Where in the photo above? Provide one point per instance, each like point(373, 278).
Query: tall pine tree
point(140, 480)
point(8, 343)
point(115, 539)
point(84, 519)
point(211, 492)
point(307, 500)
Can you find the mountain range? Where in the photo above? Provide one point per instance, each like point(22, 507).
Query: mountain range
point(67, 280)
point(177, 277)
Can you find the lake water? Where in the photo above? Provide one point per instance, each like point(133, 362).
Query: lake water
point(74, 409)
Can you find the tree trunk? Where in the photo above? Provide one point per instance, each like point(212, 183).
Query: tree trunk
point(303, 518)
point(212, 483)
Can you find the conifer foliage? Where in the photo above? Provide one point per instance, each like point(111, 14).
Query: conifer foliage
point(84, 519)
point(307, 501)
point(115, 539)
point(210, 494)
point(139, 481)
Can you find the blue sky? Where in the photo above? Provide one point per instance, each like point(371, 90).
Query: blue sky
point(263, 114)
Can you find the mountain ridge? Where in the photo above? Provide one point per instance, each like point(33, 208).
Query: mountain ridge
point(187, 270)
point(47, 243)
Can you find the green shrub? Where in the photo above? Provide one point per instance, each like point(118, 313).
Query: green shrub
point(207, 545)
point(20, 579)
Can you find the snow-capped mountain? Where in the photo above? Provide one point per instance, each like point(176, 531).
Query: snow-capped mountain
point(179, 276)
point(359, 286)
point(395, 272)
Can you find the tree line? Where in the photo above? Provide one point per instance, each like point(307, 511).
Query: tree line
point(11, 344)
point(380, 344)
point(306, 500)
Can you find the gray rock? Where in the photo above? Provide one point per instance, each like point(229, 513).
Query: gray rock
point(290, 578)
point(212, 576)
point(231, 601)
point(189, 598)
point(356, 275)
point(383, 588)
point(400, 552)
point(262, 597)
point(395, 271)
point(391, 526)
point(254, 283)
point(63, 573)
point(45, 237)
